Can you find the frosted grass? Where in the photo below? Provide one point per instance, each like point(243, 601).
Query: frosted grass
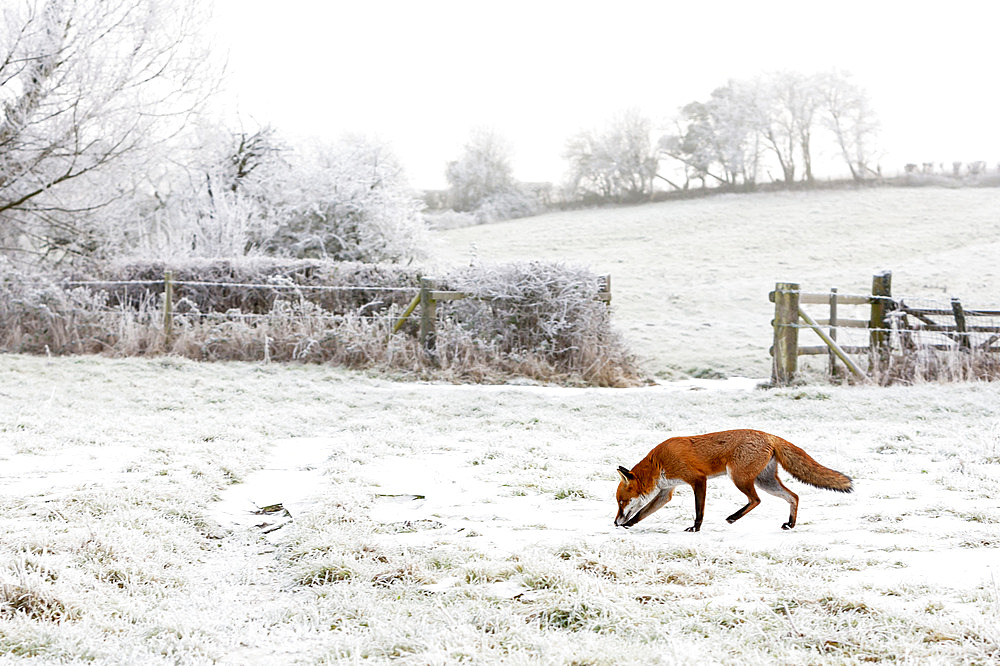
point(437, 524)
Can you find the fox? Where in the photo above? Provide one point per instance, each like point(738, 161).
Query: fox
point(751, 457)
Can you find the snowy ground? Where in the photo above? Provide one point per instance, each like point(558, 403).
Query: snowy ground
point(436, 523)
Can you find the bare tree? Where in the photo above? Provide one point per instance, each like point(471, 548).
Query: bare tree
point(849, 116)
point(725, 138)
point(787, 117)
point(618, 162)
point(482, 180)
point(733, 110)
point(724, 132)
point(87, 87)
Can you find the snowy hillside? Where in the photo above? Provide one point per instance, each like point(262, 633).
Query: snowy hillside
point(691, 278)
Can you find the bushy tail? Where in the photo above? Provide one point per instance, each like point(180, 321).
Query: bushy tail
point(800, 464)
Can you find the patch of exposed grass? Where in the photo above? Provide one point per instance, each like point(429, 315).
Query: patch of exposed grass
point(34, 601)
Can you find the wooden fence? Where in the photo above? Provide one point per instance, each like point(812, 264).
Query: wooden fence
point(891, 326)
point(427, 298)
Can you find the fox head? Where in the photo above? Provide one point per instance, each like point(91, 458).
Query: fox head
point(633, 497)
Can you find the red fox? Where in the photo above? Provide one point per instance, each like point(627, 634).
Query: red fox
point(750, 456)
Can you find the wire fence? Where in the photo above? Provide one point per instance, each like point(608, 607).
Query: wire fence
point(243, 285)
point(912, 322)
point(943, 325)
point(535, 319)
point(168, 294)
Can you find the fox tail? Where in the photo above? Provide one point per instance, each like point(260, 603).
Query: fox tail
point(801, 465)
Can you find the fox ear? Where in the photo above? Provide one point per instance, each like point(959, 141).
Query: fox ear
point(625, 474)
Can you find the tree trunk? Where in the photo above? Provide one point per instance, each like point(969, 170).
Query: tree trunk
point(806, 156)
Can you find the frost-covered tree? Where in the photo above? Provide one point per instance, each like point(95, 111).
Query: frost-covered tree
point(788, 108)
point(219, 197)
point(729, 136)
point(482, 180)
point(89, 90)
point(347, 201)
point(847, 113)
point(733, 111)
point(483, 170)
point(692, 144)
point(617, 162)
point(251, 193)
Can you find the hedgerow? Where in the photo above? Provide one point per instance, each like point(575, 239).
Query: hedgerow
point(536, 320)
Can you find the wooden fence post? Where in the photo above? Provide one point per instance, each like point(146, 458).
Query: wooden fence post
point(833, 331)
point(878, 330)
point(960, 327)
point(786, 333)
point(428, 315)
point(168, 308)
point(604, 289)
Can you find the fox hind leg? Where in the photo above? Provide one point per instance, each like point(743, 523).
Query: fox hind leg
point(769, 482)
point(746, 487)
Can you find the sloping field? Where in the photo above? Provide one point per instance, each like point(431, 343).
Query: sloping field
point(691, 278)
point(440, 524)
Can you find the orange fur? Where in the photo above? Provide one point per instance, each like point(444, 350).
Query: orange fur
point(751, 458)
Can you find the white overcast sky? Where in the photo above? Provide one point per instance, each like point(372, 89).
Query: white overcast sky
point(420, 75)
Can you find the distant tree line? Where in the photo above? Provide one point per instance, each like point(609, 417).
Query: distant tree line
point(741, 132)
point(729, 137)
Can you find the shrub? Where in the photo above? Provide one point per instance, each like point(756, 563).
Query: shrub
point(347, 201)
point(450, 219)
point(350, 202)
point(506, 205)
point(542, 319)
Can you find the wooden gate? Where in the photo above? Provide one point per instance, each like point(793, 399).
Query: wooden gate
point(897, 332)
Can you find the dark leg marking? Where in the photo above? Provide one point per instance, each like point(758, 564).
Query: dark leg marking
point(699, 487)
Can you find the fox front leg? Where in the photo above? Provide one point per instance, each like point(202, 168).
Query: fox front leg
point(699, 487)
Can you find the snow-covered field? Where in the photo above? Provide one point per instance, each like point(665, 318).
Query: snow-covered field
point(690, 279)
point(435, 524)
point(439, 524)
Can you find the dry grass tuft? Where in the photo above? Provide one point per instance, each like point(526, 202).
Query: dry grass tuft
point(35, 602)
point(931, 365)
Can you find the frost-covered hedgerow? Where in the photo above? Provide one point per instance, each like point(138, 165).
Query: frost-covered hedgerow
point(536, 320)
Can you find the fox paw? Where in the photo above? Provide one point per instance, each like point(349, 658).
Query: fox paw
point(693, 528)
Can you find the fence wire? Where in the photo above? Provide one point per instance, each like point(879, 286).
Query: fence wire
point(914, 323)
point(243, 285)
point(951, 325)
point(147, 304)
